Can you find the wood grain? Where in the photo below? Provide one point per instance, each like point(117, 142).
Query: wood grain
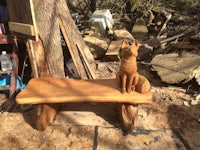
point(62, 90)
point(26, 29)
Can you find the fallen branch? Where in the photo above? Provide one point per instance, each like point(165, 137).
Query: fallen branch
point(155, 43)
point(168, 17)
point(175, 37)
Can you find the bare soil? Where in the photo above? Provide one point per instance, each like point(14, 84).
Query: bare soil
point(166, 124)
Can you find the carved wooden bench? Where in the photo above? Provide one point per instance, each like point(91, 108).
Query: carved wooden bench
point(64, 90)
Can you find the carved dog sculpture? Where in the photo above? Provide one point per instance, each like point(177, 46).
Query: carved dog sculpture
point(127, 76)
point(129, 79)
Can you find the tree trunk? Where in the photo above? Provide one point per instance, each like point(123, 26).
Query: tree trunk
point(50, 15)
point(46, 55)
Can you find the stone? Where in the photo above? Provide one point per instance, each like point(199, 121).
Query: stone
point(139, 30)
point(123, 34)
point(173, 68)
point(144, 52)
point(97, 45)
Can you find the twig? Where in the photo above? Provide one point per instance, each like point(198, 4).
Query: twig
point(95, 138)
point(185, 143)
point(168, 17)
point(176, 36)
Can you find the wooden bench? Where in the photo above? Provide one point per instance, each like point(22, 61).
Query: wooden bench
point(65, 90)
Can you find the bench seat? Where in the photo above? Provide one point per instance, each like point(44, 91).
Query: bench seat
point(64, 90)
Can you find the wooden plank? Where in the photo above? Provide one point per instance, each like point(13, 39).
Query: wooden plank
point(22, 11)
point(6, 87)
point(69, 45)
point(73, 37)
point(33, 19)
point(89, 70)
point(62, 90)
point(22, 28)
point(5, 72)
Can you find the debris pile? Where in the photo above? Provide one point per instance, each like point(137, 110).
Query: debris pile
point(172, 53)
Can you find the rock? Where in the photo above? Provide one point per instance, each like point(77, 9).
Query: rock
point(101, 66)
point(173, 68)
point(113, 50)
point(144, 52)
point(196, 74)
point(97, 45)
point(139, 30)
point(196, 101)
point(186, 103)
point(123, 34)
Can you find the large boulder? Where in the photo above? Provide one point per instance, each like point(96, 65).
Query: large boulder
point(174, 68)
point(97, 45)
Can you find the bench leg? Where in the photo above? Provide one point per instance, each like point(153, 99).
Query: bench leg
point(127, 114)
point(46, 116)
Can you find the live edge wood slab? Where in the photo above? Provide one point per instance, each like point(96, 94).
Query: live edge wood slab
point(64, 90)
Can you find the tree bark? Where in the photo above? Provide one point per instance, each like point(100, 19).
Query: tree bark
point(49, 15)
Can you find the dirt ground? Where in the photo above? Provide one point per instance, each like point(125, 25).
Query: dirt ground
point(171, 122)
point(166, 124)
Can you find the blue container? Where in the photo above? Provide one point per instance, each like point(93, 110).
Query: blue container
point(5, 80)
point(3, 14)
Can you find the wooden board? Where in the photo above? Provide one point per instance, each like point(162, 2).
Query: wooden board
point(26, 29)
point(62, 90)
point(73, 38)
point(22, 11)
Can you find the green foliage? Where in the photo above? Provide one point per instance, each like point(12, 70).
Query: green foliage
point(133, 4)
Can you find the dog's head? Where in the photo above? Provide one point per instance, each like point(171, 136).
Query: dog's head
point(129, 49)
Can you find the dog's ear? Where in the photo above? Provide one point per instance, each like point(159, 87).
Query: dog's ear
point(124, 43)
point(135, 43)
point(135, 47)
